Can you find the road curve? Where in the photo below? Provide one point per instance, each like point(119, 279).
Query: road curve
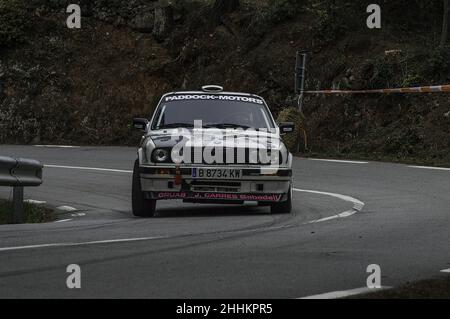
point(346, 216)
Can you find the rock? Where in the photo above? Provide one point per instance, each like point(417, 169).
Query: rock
point(290, 100)
point(144, 22)
point(163, 22)
point(36, 140)
point(393, 52)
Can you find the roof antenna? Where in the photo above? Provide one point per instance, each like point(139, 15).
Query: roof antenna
point(212, 88)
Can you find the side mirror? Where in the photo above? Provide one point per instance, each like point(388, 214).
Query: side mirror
point(286, 127)
point(140, 124)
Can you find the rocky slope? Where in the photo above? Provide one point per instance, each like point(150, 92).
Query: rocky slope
point(84, 86)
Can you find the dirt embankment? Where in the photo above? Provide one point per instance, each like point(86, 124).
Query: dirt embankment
point(84, 86)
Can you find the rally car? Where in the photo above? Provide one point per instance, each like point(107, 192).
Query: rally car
point(213, 147)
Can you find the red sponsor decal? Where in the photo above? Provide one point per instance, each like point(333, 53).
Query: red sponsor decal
point(220, 196)
point(171, 195)
point(262, 198)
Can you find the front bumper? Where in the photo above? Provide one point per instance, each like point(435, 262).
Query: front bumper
point(256, 185)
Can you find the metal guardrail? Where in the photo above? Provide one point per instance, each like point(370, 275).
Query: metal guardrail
point(19, 173)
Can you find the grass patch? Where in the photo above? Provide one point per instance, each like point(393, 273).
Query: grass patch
point(438, 288)
point(33, 213)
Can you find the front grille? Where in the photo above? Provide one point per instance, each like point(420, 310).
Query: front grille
point(215, 183)
point(230, 156)
point(215, 186)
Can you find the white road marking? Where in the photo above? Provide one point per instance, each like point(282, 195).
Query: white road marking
point(35, 202)
point(57, 146)
point(355, 201)
point(66, 208)
point(78, 215)
point(347, 214)
point(447, 271)
point(79, 244)
point(344, 293)
point(431, 168)
point(64, 220)
point(89, 168)
point(342, 215)
point(357, 204)
point(337, 161)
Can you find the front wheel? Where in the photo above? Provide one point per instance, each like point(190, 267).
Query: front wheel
point(283, 207)
point(141, 206)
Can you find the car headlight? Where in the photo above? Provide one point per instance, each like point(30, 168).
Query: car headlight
point(160, 155)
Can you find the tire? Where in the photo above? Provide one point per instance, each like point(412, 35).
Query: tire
point(141, 206)
point(283, 207)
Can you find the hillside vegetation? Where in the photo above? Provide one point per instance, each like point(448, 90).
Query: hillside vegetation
point(83, 86)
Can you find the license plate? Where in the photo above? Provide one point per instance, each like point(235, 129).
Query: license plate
point(216, 173)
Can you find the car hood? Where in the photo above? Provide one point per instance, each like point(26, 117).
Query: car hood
point(215, 138)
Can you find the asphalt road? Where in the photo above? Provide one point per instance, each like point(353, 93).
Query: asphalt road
point(196, 251)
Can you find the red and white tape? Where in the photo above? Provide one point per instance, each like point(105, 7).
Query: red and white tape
point(420, 89)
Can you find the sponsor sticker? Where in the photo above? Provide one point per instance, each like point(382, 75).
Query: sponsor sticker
point(234, 98)
point(220, 196)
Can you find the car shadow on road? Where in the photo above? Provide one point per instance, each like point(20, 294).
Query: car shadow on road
point(211, 211)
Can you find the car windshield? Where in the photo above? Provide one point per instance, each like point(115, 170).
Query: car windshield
point(213, 114)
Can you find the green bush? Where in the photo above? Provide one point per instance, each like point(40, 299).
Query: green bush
point(32, 213)
point(437, 65)
point(16, 18)
point(333, 19)
point(277, 11)
point(405, 69)
point(283, 10)
point(291, 114)
point(395, 70)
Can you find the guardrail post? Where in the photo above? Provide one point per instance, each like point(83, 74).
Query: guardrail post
point(19, 173)
point(18, 212)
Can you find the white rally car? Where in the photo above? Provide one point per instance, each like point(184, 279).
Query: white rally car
point(212, 146)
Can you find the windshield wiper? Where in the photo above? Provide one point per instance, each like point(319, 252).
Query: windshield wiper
point(175, 125)
point(227, 125)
